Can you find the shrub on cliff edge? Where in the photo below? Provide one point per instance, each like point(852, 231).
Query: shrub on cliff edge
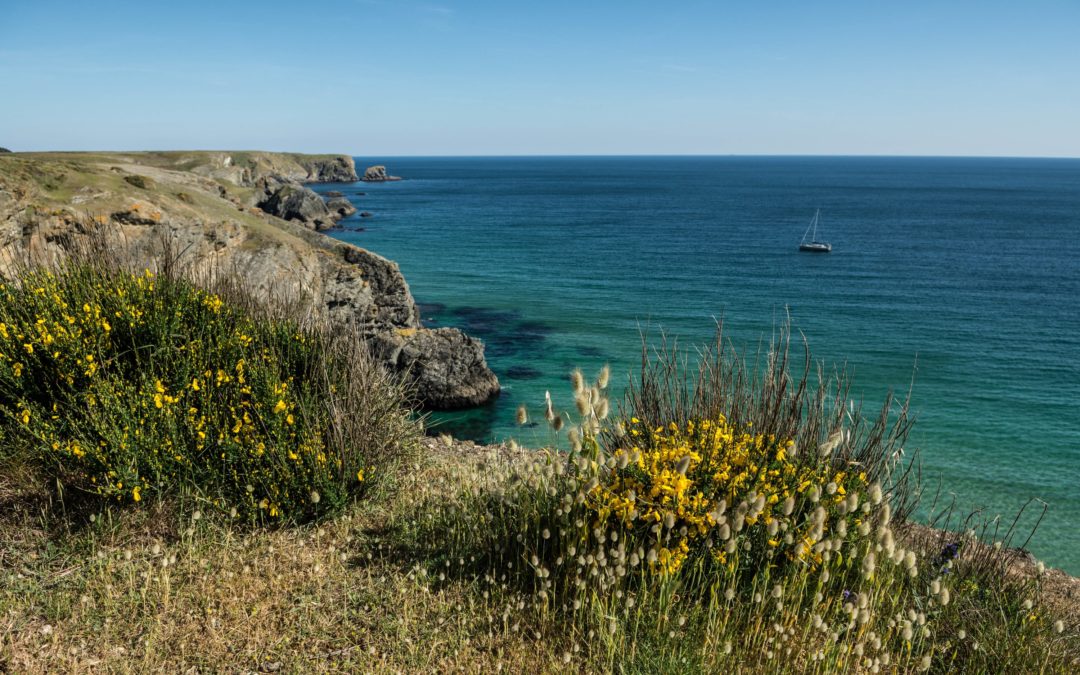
point(126, 385)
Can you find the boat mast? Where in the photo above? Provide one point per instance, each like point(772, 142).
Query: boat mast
point(813, 224)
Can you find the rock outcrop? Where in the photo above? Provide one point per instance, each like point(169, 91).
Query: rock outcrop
point(205, 207)
point(446, 365)
point(377, 174)
point(296, 202)
point(340, 207)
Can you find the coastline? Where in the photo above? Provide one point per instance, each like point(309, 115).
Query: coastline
point(247, 212)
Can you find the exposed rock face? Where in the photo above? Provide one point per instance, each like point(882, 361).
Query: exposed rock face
point(296, 202)
point(47, 200)
point(335, 169)
point(447, 366)
point(377, 174)
point(340, 207)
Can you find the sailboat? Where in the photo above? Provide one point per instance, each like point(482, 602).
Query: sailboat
point(814, 246)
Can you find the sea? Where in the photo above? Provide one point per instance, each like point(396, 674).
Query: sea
point(954, 280)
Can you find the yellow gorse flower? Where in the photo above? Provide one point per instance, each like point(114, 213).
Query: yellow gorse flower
point(178, 386)
point(676, 480)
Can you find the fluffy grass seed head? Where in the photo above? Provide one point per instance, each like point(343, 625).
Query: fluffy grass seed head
point(578, 381)
point(603, 377)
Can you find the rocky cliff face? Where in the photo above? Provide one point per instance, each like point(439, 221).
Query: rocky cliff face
point(296, 202)
point(205, 205)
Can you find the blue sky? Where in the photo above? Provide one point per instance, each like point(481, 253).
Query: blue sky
point(389, 77)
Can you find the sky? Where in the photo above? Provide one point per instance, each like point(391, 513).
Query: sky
point(405, 77)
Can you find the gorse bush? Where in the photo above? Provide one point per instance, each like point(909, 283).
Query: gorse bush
point(697, 542)
point(125, 385)
point(672, 489)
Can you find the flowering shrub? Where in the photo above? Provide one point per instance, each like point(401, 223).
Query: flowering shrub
point(707, 540)
point(670, 489)
point(130, 384)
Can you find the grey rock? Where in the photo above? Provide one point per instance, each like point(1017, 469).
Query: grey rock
point(366, 214)
point(340, 207)
point(339, 169)
point(446, 366)
point(377, 174)
point(296, 202)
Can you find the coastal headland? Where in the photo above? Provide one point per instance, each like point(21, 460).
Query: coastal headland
point(245, 213)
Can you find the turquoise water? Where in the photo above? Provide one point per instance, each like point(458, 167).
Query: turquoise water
point(964, 273)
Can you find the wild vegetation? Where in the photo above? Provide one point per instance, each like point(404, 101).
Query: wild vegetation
point(183, 474)
point(729, 520)
point(123, 384)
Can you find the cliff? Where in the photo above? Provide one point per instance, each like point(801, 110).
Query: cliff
point(243, 212)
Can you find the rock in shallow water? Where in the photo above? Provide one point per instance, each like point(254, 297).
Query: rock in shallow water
point(447, 366)
point(377, 174)
point(340, 207)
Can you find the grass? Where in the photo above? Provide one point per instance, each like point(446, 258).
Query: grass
point(733, 517)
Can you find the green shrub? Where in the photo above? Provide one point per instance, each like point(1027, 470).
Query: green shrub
point(730, 519)
point(125, 385)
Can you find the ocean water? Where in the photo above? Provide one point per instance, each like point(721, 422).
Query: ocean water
point(960, 275)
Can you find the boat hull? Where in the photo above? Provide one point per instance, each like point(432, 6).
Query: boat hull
point(816, 247)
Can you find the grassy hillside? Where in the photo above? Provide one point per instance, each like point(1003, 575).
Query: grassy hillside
point(191, 189)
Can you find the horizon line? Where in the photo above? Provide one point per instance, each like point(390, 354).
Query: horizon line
point(575, 155)
point(708, 155)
